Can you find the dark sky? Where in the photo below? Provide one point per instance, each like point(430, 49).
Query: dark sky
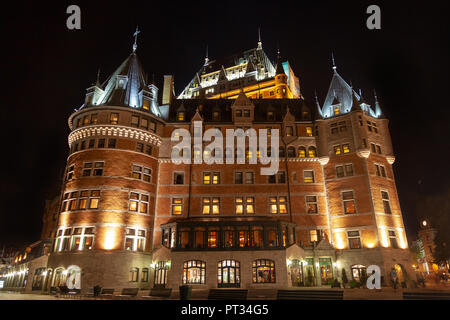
point(48, 68)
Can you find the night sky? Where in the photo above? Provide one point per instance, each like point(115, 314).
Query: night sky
point(48, 68)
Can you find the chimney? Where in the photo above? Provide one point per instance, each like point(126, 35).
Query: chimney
point(168, 90)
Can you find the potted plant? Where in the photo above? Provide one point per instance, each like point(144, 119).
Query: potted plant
point(353, 284)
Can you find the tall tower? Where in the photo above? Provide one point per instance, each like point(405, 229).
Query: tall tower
point(105, 222)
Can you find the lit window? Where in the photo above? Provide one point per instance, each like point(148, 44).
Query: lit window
point(277, 205)
point(346, 148)
point(82, 238)
point(309, 132)
point(393, 239)
point(211, 205)
point(135, 239)
point(289, 131)
point(337, 150)
point(114, 118)
point(263, 271)
point(134, 275)
point(177, 206)
point(180, 116)
point(301, 152)
point(244, 205)
point(311, 152)
point(349, 202)
point(194, 272)
point(308, 176)
point(138, 202)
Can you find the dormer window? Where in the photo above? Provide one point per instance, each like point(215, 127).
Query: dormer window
point(215, 115)
point(121, 83)
point(337, 111)
point(289, 131)
point(238, 113)
point(180, 116)
point(246, 113)
point(270, 115)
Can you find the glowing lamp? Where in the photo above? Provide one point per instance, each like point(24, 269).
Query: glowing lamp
point(288, 262)
point(110, 239)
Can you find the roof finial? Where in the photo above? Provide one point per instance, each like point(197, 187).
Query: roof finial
point(206, 57)
point(97, 83)
point(135, 34)
point(360, 92)
point(375, 94)
point(334, 64)
point(259, 38)
point(315, 95)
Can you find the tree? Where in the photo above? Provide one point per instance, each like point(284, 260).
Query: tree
point(344, 278)
point(436, 209)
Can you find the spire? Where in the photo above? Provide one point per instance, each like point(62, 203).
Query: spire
point(355, 102)
point(319, 110)
point(206, 57)
point(97, 83)
point(378, 111)
point(334, 64)
point(135, 34)
point(259, 38)
point(279, 69)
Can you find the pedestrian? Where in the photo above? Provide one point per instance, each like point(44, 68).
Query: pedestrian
point(394, 278)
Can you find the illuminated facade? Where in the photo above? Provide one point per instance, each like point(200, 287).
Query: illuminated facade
point(129, 217)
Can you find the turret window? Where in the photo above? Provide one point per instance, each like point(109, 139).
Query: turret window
point(134, 240)
point(138, 202)
point(114, 118)
point(380, 170)
point(354, 239)
point(70, 171)
point(348, 200)
point(85, 199)
point(141, 173)
point(312, 152)
point(386, 204)
point(93, 168)
point(302, 152)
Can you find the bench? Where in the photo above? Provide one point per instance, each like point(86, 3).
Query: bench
point(430, 295)
point(310, 295)
point(127, 293)
point(106, 293)
point(158, 293)
point(227, 294)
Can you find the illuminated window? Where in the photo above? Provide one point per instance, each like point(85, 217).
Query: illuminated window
point(63, 239)
point(312, 152)
point(315, 235)
point(94, 199)
point(349, 202)
point(336, 111)
point(85, 120)
point(337, 150)
point(311, 204)
point(82, 238)
point(161, 271)
point(211, 205)
point(177, 206)
point(308, 176)
point(244, 205)
point(135, 239)
point(213, 238)
point(302, 152)
point(386, 204)
point(278, 205)
point(263, 271)
point(180, 116)
point(228, 273)
point(346, 148)
point(211, 177)
point(141, 173)
point(354, 239)
point(309, 132)
point(194, 272)
point(138, 202)
point(114, 118)
point(144, 275)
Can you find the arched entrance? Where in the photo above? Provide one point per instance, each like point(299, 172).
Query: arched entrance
point(73, 277)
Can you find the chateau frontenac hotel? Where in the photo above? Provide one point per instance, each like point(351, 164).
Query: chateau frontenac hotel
point(128, 216)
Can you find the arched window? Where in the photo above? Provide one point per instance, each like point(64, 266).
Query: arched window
point(281, 153)
point(263, 271)
point(228, 274)
point(301, 152)
point(144, 275)
point(358, 270)
point(194, 272)
point(60, 278)
point(291, 152)
point(134, 275)
point(161, 270)
point(312, 152)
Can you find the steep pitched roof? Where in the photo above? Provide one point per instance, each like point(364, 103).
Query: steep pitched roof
point(122, 88)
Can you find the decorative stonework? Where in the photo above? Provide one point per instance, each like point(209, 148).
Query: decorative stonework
point(324, 160)
point(115, 131)
point(390, 159)
point(363, 153)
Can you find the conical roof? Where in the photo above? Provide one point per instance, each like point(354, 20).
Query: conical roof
point(122, 88)
point(340, 91)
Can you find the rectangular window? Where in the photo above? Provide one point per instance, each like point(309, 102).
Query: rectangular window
point(337, 150)
point(334, 128)
point(386, 204)
point(289, 131)
point(94, 118)
point(393, 239)
point(238, 178)
point(138, 202)
point(84, 197)
point(135, 239)
point(244, 205)
point(112, 143)
point(211, 205)
point(178, 178)
point(101, 143)
point(314, 235)
point(378, 149)
point(349, 202)
point(148, 149)
point(141, 173)
point(98, 168)
point(309, 132)
point(346, 148)
point(344, 170)
point(94, 199)
point(311, 204)
point(372, 146)
point(144, 123)
point(249, 178)
point(278, 205)
point(342, 126)
point(354, 240)
point(139, 147)
point(177, 206)
point(246, 113)
point(211, 177)
point(91, 143)
point(70, 171)
point(114, 118)
point(308, 176)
